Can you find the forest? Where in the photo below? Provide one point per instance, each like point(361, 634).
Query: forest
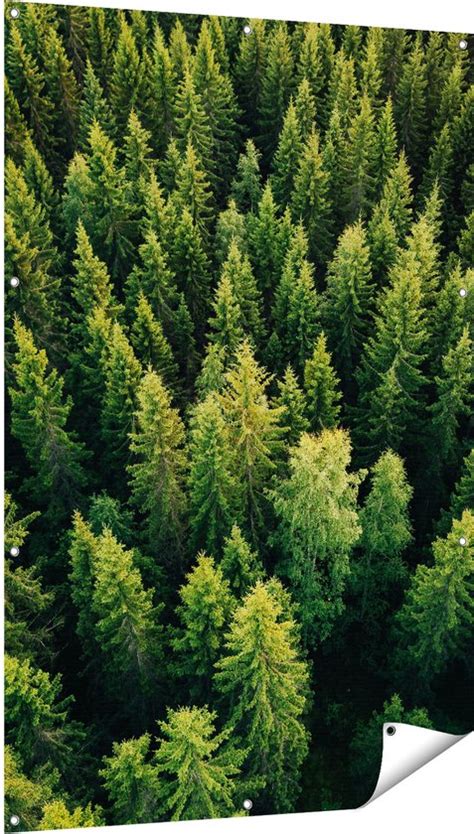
point(239, 518)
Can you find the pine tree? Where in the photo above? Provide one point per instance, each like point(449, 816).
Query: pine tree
point(27, 85)
point(410, 106)
point(62, 91)
point(40, 183)
point(164, 92)
point(250, 69)
point(240, 565)
point(247, 296)
point(91, 283)
point(348, 301)
point(16, 130)
point(277, 84)
point(321, 388)
point(206, 605)
point(190, 264)
point(292, 402)
point(156, 479)
point(434, 618)
point(285, 161)
point(39, 417)
point(192, 191)
point(266, 684)
point(227, 320)
point(390, 378)
point(247, 186)
point(343, 89)
point(454, 395)
point(100, 43)
point(358, 163)
point(211, 375)
point(385, 147)
point(83, 558)
point(310, 202)
point(137, 152)
point(318, 527)
point(263, 242)
point(386, 532)
point(305, 108)
point(122, 373)
point(315, 61)
point(126, 627)
point(197, 768)
point(254, 433)
point(192, 125)
point(302, 321)
point(231, 225)
point(212, 485)
point(127, 79)
point(150, 344)
point(370, 66)
point(152, 277)
point(397, 198)
point(131, 781)
point(37, 717)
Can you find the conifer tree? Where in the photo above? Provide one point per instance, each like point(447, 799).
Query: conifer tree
point(40, 183)
point(204, 611)
point(305, 108)
point(454, 395)
point(83, 559)
point(24, 797)
point(247, 296)
point(295, 259)
point(227, 320)
point(190, 264)
point(318, 527)
point(192, 191)
point(62, 91)
point(16, 130)
point(263, 241)
point(131, 781)
point(152, 276)
point(127, 79)
point(91, 284)
point(196, 767)
point(277, 84)
point(386, 532)
point(410, 106)
point(100, 43)
point(432, 622)
point(212, 485)
point(230, 226)
point(343, 89)
point(240, 565)
point(349, 300)
point(310, 202)
point(211, 375)
point(122, 373)
point(385, 147)
point(383, 244)
point(151, 345)
point(285, 161)
point(358, 163)
point(56, 815)
point(254, 433)
point(321, 388)
point(137, 153)
point(247, 186)
point(39, 417)
point(28, 87)
point(179, 49)
point(292, 402)
point(302, 322)
point(126, 626)
point(315, 62)
point(164, 92)
point(462, 497)
point(192, 124)
point(397, 198)
point(370, 65)
point(265, 682)
point(250, 68)
point(390, 377)
point(156, 479)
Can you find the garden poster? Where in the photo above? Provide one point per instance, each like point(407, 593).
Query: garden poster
point(239, 519)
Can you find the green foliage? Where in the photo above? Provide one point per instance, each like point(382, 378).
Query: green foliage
point(318, 527)
point(240, 565)
point(131, 781)
point(310, 200)
point(198, 770)
point(320, 383)
point(266, 684)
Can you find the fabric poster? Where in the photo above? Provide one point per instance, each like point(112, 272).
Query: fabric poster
point(239, 293)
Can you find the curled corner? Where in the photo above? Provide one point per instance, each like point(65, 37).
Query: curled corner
point(406, 748)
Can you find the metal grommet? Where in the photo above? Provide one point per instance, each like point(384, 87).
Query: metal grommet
point(463, 292)
point(463, 43)
point(247, 31)
point(247, 804)
point(391, 731)
point(14, 820)
point(14, 13)
point(14, 282)
point(14, 551)
point(462, 541)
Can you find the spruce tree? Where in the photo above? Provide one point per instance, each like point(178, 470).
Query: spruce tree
point(410, 106)
point(385, 147)
point(315, 61)
point(432, 624)
point(265, 682)
point(310, 201)
point(212, 485)
point(192, 191)
point(127, 79)
point(62, 91)
point(91, 283)
point(254, 434)
point(397, 198)
point(317, 528)
point(358, 163)
point(204, 612)
point(321, 388)
point(156, 478)
point(151, 345)
point(305, 109)
point(454, 394)
point(190, 264)
point(348, 300)
point(247, 296)
point(263, 232)
point(197, 768)
point(164, 92)
point(285, 161)
point(28, 87)
point(192, 124)
point(230, 226)
point(292, 402)
point(211, 375)
point(247, 186)
point(250, 69)
point(131, 781)
point(386, 532)
point(152, 277)
point(227, 319)
point(56, 815)
point(302, 321)
point(40, 414)
point(277, 84)
point(240, 565)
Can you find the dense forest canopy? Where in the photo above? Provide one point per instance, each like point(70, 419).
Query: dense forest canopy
point(240, 499)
